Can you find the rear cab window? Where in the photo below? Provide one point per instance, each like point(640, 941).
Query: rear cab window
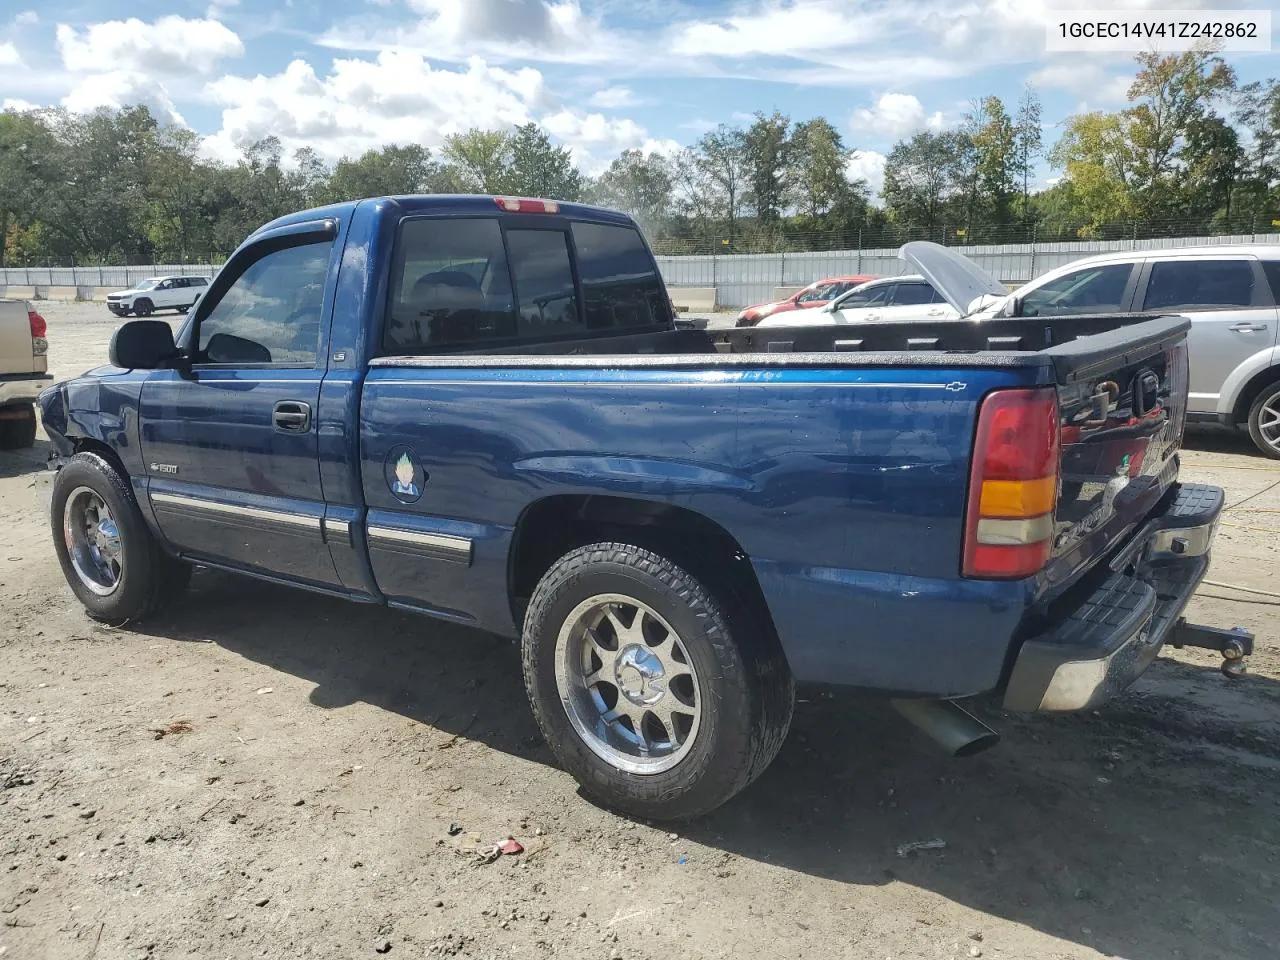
point(470, 283)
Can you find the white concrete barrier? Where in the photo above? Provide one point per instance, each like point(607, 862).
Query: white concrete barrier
point(693, 299)
point(781, 293)
point(61, 293)
point(18, 293)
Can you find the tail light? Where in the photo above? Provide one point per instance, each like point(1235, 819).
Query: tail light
point(526, 205)
point(1013, 485)
point(39, 330)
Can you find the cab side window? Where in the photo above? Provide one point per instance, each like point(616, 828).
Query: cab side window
point(621, 289)
point(450, 286)
point(909, 294)
point(1096, 289)
point(1200, 285)
point(875, 297)
point(272, 312)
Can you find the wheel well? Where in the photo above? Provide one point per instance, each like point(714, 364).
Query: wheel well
point(550, 528)
point(86, 445)
point(1257, 383)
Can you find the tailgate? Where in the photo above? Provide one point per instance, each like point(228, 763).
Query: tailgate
point(16, 355)
point(1122, 399)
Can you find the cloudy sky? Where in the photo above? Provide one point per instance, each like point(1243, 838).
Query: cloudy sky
point(601, 75)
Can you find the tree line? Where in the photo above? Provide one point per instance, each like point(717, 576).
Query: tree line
point(1191, 152)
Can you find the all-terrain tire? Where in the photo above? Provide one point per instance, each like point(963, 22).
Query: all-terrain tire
point(745, 687)
point(149, 578)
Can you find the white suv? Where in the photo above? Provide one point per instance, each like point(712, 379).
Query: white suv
point(1231, 295)
point(158, 293)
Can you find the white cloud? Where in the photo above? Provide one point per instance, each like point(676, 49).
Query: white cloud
point(793, 29)
point(611, 98)
point(21, 106)
point(867, 165)
point(1084, 79)
point(895, 115)
point(9, 55)
point(594, 139)
point(121, 88)
point(359, 104)
point(218, 7)
point(27, 18)
point(498, 30)
point(171, 45)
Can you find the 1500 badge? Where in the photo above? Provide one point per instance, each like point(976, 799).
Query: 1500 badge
point(163, 467)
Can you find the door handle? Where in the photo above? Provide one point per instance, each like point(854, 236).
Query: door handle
point(292, 416)
point(1245, 327)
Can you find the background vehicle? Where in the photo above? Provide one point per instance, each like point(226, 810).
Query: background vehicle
point(157, 293)
point(816, 294)
point(487, 417)
point(23, 362)
point(889, 298)
point(1230, 294)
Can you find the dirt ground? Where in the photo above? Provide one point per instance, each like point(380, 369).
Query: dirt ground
point(266, 773)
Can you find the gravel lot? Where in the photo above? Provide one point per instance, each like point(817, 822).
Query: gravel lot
point(266, 773)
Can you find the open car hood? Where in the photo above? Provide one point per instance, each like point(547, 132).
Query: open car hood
point(957, 278)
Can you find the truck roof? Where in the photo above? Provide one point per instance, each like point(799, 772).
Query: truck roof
point(447, 203)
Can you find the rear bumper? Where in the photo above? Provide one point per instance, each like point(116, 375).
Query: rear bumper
point(23, 387)
point(1102, 642)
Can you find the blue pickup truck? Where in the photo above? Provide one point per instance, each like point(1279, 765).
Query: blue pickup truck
point(482, 410)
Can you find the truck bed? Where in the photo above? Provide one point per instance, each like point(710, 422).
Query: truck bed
point(1071, 346)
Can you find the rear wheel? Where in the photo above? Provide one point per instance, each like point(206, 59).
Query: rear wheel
point(143, 307)
point(113, 564)
point(1264, 420)
point(649, 694)
point(19, 432)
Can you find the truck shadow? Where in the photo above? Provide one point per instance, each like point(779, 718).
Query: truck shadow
point(1212, 438)
point(1145, 830)
point(17, 463)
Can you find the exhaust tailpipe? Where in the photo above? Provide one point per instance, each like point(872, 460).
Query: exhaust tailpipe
point(953, 728)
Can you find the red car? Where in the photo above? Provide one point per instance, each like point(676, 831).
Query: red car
point(817, 294)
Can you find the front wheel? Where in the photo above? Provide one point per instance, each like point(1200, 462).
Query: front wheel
point(112, 562)
point(1264, 420)
point(646, 692)
point(143, 307)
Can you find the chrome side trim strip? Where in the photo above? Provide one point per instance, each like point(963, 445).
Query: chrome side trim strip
point(336, 531)
point(438, 545)
point(234, 510)
point(954, 387)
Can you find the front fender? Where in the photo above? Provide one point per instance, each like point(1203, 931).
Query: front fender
point(101, 406)
point(1234, 385)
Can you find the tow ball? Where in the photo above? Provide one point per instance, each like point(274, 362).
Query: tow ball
point(1234, 644)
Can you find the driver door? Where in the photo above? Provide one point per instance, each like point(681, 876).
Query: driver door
point(230, 445)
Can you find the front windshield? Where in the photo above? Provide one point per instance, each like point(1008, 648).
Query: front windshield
point(148, 284)
point(818, 291)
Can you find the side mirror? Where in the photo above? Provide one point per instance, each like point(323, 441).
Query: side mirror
point(143, 345)
point(1013, 308)
point(226, 348)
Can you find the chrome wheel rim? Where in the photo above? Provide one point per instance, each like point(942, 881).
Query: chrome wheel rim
point(93, 543)
point(1269, 422)
point(628, 684)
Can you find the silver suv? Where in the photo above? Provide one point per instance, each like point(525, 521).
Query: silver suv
point(1231, 294)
